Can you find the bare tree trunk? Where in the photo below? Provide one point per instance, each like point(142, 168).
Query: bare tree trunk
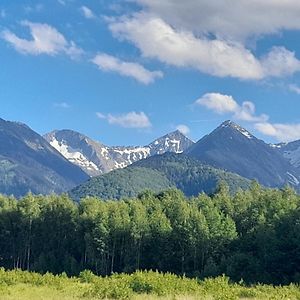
point(139, 254)
point(29, 246)
point(113, 257)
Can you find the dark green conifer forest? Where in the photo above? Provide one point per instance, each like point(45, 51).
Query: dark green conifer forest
point(253, 235)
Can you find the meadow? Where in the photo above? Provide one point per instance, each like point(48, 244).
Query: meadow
point(24, 285)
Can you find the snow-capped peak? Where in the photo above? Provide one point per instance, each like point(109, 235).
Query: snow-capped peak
point(237, 127)
point(96, 158)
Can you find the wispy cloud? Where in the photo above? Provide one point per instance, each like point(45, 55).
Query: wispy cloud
point(184, 129)
point(108, 63)
point(224, 104)
point(87, 12)
point(64, 105)
point(45, 40)
point(280, 62)
point(294, 88)
point(128, 120)
point(34, 8)
point(282, 132)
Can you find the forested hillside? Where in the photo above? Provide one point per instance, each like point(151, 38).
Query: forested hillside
point(158, 173)
point(253, 234)
point(117, 184)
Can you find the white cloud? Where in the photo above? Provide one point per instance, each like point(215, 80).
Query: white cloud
point(87, 12)
point(129, 120)
point(282, 132)
point(223, 104)
point(180, 45)
point(64, 105)
point(184, 129)
point(217, 102)
point(110, 63)
point(246, 112)
point(233, 20)
point(280, 62)
point(73, 51)
point(157, 39)
point(34, 8)
point(45, 40)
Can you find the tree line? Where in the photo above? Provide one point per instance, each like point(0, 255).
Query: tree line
point(252, 235)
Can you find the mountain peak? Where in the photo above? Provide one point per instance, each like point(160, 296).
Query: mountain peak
point(176, 133)
point(174, 141)
point(227, 123)
point(233, 148)
point(232, 125)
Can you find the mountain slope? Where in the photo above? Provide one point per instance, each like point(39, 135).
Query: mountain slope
point(29, 163)
point(233, 148)
point(158, 173)
point(95, 158)
point(291, 151)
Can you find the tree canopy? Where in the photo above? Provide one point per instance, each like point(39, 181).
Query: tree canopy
point(252, 235)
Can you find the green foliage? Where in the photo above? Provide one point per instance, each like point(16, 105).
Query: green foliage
point(220, 289)
point(122, 183)
point(110, 288)
point(139, 285)
point(162, 284)
point(159, 173)
point(252, 235)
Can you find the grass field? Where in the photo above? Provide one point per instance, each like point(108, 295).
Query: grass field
point(20, 285)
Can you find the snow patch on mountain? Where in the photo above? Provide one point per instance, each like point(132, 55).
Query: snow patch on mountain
point(73, 155)
point(240, 129)
point(131, 154)
point(96, 158)
point(294, 180)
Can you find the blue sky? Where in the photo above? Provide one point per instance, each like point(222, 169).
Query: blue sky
point(126, 72)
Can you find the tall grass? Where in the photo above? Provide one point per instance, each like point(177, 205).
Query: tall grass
point(16, 284)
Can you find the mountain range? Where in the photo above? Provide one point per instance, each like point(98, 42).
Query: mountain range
point(96, 158)
point(64, 160)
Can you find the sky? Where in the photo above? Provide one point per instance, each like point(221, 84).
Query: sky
point(126, 72)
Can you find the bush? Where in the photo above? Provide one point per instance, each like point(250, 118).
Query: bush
point(125, 286)
point(220, 289)
point(110, 288)
point(87, 276)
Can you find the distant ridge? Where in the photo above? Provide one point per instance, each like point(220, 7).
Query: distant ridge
point(96, 158)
